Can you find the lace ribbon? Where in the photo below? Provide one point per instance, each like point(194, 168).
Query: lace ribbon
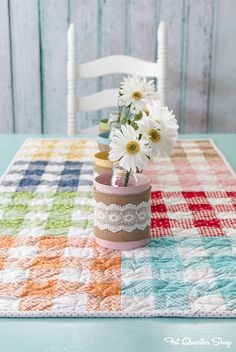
point(127, 218)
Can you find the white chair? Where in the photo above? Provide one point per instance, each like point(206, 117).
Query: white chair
point(109, 65)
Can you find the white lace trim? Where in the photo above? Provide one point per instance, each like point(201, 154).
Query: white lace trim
point(116, 218)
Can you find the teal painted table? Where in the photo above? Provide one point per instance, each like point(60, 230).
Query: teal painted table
point(133, 335)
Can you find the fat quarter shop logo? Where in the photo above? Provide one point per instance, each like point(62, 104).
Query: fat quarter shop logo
point(188, 341)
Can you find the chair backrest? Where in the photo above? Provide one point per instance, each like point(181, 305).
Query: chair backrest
point(107, 65)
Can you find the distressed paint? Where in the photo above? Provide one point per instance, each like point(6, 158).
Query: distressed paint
point(197, 84)
point(26, 65)
point(201, 55)
point(112, 39)
point(222, 113)
point(171, 12)
point(6, 103)
point(183, 67)
point(53, 31)
point(143, 26)
point(85, 18)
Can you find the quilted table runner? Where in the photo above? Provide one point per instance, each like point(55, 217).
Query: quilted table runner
point(51, 266)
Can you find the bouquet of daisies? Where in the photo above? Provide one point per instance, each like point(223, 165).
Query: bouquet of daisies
point(148, 130)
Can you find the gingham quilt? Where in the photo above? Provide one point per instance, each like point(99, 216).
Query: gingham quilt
point(51, 266)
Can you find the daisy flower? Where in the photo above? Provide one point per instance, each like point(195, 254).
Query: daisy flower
point(135, 92)
point(128, 149)
point(160, 128)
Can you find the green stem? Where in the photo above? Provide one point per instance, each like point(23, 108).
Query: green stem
point(127, 178)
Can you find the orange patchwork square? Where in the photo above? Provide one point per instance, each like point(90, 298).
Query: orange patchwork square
point(6, 241)
point(2, 262)
point(33, 288)
point(46, 262)
point(48, 242)
point(105, 263)
point(104, 289)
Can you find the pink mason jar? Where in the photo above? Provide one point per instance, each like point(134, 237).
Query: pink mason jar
point(122, 215)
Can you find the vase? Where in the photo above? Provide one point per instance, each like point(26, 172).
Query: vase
point(101, 163)
point(121, 214)
point(103, 141)
point(103, 125)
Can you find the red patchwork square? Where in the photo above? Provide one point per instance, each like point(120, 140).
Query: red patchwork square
point(194, 194)
point(207, 223)
point(165, 222)
point(199, 207)
point(161, 208)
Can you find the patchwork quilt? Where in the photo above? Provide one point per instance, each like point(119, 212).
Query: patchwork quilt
point(51, 266)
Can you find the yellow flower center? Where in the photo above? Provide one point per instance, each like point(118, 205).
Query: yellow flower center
point(154, 135)
point(136, 95)
point(133, 147)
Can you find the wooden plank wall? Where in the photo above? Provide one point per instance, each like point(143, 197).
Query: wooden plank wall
point(202, 65)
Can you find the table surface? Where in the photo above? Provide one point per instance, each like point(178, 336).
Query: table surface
point(101, 334)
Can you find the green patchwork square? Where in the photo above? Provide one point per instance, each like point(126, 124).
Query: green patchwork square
point(16, 210)
point(11, 225)
point(58, 223)
point(61, 210)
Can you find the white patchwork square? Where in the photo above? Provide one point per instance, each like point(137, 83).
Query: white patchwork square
point(12, 275)
point(230, 232)
point(199, 275)
point(36, 216)
point(210, 302)
point(12, 177)
point(9, 303)
point(78, 215)
point(58, 159)
point(174, 201)
point(42, 202)
point(217, 201)
point(136, 254)
point(34, 232)
point(180, 215)
point(8, 188)
point(143, 273)
point(229, 215)
point(207, 177)
point(54, 168)
point(49, 177)
point(167, 176)
point(137, 304)
point(78, 252)
point(190, 252)
point(5, 201)
point(74, 231)
point(22, 252)
point(19, 167)
point(86, 177)
point(70, 303)
point(180, 232)
point(44, 188)
point(84, 201)
point(74, 275)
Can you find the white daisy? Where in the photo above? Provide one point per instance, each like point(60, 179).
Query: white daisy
point(131, 151)
point(160, 128)
point(135, 92)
